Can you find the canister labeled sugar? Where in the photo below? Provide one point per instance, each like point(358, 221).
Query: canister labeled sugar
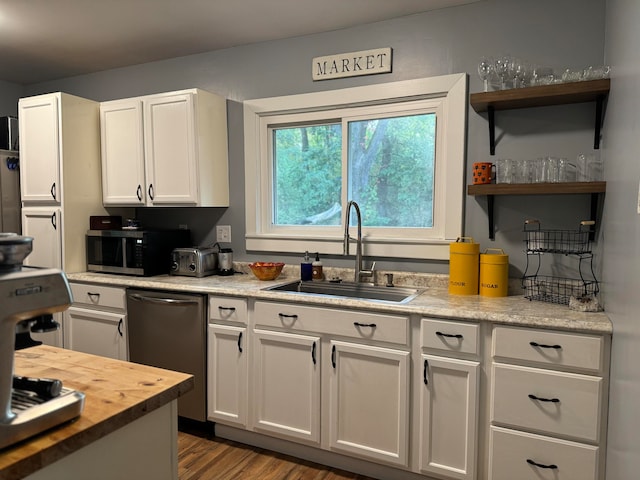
point(494, 273)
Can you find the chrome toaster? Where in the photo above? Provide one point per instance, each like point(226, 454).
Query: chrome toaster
point(194, 262)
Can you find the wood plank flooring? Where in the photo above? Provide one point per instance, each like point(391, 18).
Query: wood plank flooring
point(201, 456)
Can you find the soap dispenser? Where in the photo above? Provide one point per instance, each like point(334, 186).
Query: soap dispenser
point(306, 268)
point(316, 269)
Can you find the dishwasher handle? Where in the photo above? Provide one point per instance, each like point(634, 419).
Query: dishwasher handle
point(163, 301)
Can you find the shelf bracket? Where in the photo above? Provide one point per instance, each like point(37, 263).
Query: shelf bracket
point(490, 200)
point(596, 135)
point(594, 215)
point(491, 113)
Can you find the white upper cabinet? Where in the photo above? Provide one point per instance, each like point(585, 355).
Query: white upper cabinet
point(166, 149)
point(122, 141)
point(40, 150)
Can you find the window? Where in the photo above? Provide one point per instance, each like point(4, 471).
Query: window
point(397, 149)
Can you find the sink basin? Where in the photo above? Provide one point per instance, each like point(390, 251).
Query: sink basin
point(360, 291)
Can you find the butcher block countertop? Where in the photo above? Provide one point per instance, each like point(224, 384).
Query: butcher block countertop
point(116, 394)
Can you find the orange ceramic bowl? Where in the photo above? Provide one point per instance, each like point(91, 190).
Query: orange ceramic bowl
point(266, 270)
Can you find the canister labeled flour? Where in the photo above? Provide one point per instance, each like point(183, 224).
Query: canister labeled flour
point(463, 266)
point(494, 273)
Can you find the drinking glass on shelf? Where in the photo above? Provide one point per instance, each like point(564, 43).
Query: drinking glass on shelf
point(485, 69)
point(582, 162)
point(504, 170)
point(502, 70)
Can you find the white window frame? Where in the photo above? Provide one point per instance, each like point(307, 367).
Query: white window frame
point(451, 90)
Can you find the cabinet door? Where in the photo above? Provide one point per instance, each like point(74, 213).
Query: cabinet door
point(448, 417)
point(286, 397)
point(227, 374)
point(45, 226)
point(96, 332)
point(369, 402)
point(170, 150)
point(122, 143)
point(39, 150)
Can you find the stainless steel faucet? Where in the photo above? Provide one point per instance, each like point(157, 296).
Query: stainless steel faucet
point(360, 273)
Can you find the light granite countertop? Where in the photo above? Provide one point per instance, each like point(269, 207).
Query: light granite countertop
point(435, 301)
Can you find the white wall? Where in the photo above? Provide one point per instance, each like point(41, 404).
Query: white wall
point(622, 236)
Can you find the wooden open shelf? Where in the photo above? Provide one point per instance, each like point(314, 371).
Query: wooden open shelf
point(537, 188)
point(569, 188)
point(541, 96)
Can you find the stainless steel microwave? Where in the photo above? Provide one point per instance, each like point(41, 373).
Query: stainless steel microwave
point(133, 252)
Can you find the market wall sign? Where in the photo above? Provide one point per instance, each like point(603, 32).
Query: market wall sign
point(354, 64)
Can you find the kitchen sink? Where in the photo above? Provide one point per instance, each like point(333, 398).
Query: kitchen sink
point(360, 291)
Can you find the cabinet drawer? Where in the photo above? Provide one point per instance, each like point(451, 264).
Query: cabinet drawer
point(228, 309)
point(547, 401)
point(514, 455)
point(570, 350)
point(98, 296)
point(363, 325)
point(456, 337)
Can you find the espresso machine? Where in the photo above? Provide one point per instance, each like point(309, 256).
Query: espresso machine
point(28, 298)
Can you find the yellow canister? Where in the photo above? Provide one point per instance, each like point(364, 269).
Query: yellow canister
point(494, 273)
point(463, 266)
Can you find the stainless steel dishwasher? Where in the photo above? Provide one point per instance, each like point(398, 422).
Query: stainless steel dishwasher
point(168, 330)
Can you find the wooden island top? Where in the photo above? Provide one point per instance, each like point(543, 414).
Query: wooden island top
point(116, 394)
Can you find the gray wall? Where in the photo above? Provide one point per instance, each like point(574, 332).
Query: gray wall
point(622, 235)
point(435, 43)
point(9, 95)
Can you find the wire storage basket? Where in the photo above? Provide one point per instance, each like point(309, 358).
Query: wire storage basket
point(575, 243)
point(557, 241)
point(557, 290)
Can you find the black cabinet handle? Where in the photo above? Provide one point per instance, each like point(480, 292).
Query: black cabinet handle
point(53, 221)
point(229, 309)
point(424, 372)
point(94, 296)
point(358, 324)
point(240, 342)
point(285, 315)
point(333, 356)
point(542, 345)
point(53, 191)
point(139, 193)
point(151, 191)
point(542, 399)
point(313, 353)
point(540, 465)
point(120, 326)
point(448, 335)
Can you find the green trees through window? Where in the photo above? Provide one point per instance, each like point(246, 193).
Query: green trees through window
point(389, 165)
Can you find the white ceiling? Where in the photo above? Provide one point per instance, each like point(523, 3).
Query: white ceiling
point(42, 40)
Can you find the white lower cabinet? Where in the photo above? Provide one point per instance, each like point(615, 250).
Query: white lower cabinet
point(364, 383)
point(227, 361)
point(369, 406)
point(448, 416)
point(227, 374)
point(96, 323)
point(96, 332)
point(526, 456)
point(410, 397)
point(449, 396)
point(548, 405)
point(287, 385)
